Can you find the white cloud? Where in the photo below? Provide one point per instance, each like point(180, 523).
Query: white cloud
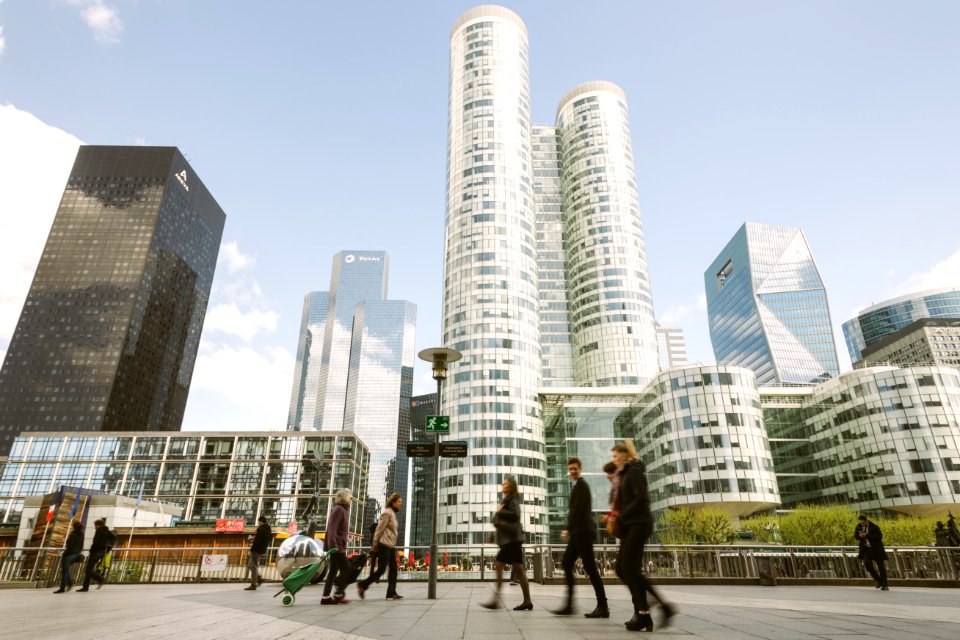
point(945, 273)
point(256, 380)
point(229, 319)
point(235, 259)
point(3, 41)
point(35, 161)
point(102, 19)
point(678, 314)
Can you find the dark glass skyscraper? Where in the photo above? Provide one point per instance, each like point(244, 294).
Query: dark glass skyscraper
point(767, 307)
point(108, 335)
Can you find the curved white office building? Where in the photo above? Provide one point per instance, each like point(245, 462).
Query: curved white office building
point(611, 309)
point(885, 438)
point(491, 296)
point(700, 432)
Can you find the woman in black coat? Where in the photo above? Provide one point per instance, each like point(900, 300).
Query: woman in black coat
point(71, 554)
point(632, 508)
point(509, 537)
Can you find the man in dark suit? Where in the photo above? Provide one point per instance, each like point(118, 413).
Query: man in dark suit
point(580, 533)
point(872, 552)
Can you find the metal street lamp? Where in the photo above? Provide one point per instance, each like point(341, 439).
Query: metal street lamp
point(439, 358)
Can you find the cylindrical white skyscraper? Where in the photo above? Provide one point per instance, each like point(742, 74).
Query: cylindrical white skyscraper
point(611, 308)
point(490, 281)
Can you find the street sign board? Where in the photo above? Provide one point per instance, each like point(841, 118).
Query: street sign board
point(453, 449)
point(421, 450)
point(438, 424)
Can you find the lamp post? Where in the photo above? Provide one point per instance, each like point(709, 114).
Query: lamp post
point(439, 358)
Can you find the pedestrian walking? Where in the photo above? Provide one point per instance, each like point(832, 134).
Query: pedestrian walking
point(258, 548)
point(384, 545)
point(337, 536)
point(72, 554)
point(509, 537)
point(580, 534)
point(872, 554)
point(102, 540)
point(631, 503)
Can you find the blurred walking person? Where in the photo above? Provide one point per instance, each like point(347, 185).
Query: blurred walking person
point(509, 537)
point(384, 545)
point(872, 553)
point(102, 539)
point(72, 554)
point(258, 548)
point(580, 534)
point(634, 526)
point(337, 536)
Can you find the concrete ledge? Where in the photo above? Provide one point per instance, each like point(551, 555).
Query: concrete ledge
point(19, 584)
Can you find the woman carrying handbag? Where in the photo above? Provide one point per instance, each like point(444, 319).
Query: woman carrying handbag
point(509, 537)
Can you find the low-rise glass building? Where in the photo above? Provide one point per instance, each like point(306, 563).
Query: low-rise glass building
point(212, 475)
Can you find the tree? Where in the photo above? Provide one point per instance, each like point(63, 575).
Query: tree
point(765, 528)
point(678, 526)
point(683, 525)
point(817, 525)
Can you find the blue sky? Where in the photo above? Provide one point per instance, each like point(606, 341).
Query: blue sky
point(321, 126)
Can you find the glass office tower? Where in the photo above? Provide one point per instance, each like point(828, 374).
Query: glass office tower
point(355, 369)
point(491, 298)
point(357, 276)
point(611, 308)
point(108, 336)
point(767, 307)
point(555, 339)
point(306, 373)
point(672, 347)
point(875, 323)
point(379, 387)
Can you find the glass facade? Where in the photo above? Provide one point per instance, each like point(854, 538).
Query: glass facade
point(767, 307)
point(357, 276)
point(555, 341)
point(491, 297)
point(355, 369)
point(611, 307)
point(211, 475)
point(877, 322)
point(925, 342)
point(671, 346)
point(306, 374)
point(421, 493)
point(379, 387)
point(888, 439)
point(108, 335)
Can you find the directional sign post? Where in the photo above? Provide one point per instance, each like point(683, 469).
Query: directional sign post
point(453, 449)
point(421, 449)
point(438, 424)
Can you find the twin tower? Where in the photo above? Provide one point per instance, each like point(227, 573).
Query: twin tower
point(545, 269)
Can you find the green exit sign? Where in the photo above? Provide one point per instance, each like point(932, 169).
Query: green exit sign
point(438, 424)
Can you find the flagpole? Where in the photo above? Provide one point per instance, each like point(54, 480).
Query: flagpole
point(43, 538)
point(133, 524)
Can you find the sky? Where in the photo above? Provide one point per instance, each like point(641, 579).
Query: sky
point(321, 127)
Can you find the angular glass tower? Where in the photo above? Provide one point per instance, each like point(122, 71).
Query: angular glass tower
point(108, 336)
point(306, 374)
point(877, 322)
point(355, 369)
point(767, 307)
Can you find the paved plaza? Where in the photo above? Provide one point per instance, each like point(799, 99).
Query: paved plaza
point(710, 612)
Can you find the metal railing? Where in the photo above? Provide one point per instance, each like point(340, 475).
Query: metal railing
point(41, 567)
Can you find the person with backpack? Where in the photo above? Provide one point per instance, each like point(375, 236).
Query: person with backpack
point(103, 540)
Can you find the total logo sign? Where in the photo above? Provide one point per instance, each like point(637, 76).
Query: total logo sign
point(182, 178)
point(352, 258)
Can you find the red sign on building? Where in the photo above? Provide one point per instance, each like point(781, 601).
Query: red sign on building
point(230, 526)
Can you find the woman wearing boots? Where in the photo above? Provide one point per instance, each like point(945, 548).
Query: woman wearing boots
point(632, 506)
point(384, 544)
point(509, 537)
